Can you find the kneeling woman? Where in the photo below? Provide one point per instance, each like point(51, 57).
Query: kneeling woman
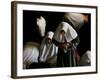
point(48, 50)
point(66, 38)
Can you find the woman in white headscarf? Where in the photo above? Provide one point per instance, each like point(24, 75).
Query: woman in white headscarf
point(66, 38)
point(48, 50)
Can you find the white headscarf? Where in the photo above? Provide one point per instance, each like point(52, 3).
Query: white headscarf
point(47, 50)
point(77, 19)
point(70, 33)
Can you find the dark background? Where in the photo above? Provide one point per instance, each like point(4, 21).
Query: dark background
point(31, 33)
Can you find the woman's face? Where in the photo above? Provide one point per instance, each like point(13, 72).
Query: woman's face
point(62, 32)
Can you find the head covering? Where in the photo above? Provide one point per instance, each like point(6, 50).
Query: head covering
point(69, 35)
point(50, 35)
point(76, 19)
point(47, 51)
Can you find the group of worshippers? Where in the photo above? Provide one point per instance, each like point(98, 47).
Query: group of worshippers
point(59, 48)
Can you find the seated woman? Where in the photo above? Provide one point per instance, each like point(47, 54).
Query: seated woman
point(48, 50)
point(66, 38)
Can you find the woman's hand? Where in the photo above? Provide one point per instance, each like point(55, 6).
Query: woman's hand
point(41, 23)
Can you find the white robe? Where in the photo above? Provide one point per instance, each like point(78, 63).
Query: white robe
point(30, 54)
point(47, 51)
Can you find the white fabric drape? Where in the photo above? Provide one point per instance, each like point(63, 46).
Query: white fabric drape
point(30, 54)
point(85, 59)
point(77, 19)
point(70, 33)
point(47, 50)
